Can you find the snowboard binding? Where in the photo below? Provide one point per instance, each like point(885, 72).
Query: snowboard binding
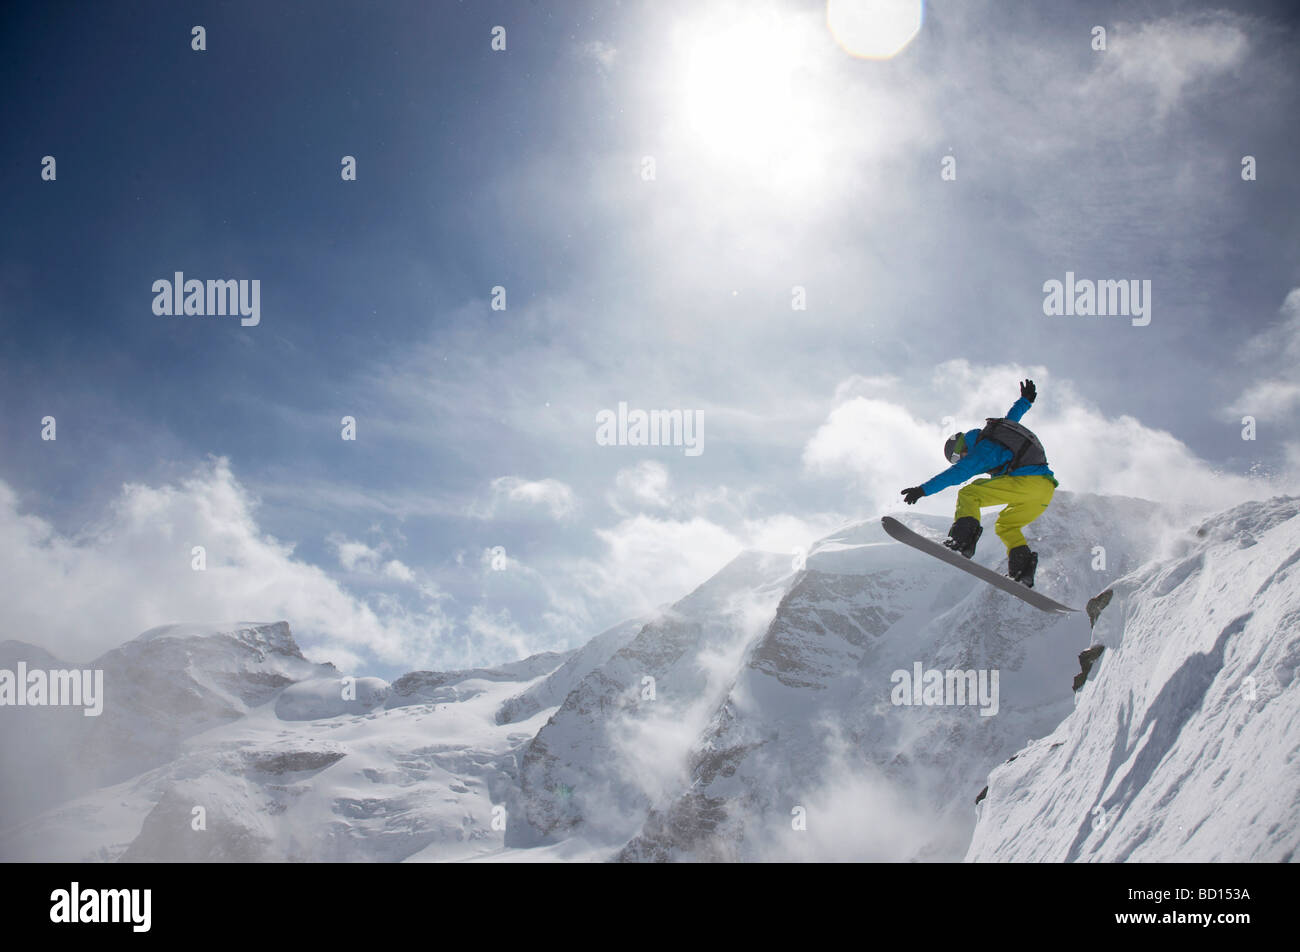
point(964, 535)
point(1021, 564)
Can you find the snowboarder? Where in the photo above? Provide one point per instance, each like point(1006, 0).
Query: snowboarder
point(1016, 464)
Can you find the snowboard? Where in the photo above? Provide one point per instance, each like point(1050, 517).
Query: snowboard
point(903, 534)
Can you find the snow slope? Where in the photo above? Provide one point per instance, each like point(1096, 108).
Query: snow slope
point(165, 685)
point(621, 738)
point(1185, 744)
point(555, 687)
point(306, 774)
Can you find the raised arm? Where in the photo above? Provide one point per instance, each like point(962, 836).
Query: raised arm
point(1028, 394)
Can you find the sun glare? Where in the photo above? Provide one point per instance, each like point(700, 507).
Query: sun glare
point(745, 101)
point(736, 83)
point(758, 90)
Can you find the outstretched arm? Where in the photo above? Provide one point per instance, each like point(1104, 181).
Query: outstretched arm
point(1028, 394)
point(972, 464)
point(981, 459)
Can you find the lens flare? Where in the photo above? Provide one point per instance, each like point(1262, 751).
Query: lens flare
point(874, 29)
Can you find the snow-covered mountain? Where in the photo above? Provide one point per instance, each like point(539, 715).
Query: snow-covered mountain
point(160, 688)
point(1185, 744)
point(809, 757)
point(622, 737)
point(760, 717)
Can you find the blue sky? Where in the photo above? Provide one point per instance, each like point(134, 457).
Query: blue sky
point(780, 161)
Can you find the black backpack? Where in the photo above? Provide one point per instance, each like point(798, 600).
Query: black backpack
point(1025, 448)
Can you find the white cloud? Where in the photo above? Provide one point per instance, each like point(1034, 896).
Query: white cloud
point(1267, 400)
point(856, 813)
point(878, 445)
point(657, 557)
point(1162, 59)
point(362, 559)
point(650, 562)
point(511, 492)
point(497, 635)
point(645, 484)
point(786, 533)
point(397, 570)
point(357, 556)
point(1280, 340)
point(80, 594)
point(1273, 355)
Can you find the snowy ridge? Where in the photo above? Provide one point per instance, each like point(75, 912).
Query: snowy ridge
point(1185, 744)
point(553, 689)
point(165, 685)
point(283, 764)
point(620, 739)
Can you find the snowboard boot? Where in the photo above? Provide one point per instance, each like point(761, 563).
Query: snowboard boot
point(963, 535)
point(1021, 564)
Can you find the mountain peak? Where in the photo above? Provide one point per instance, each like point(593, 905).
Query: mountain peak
point(274, 636)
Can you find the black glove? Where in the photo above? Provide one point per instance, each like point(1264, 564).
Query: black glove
point(910, 496)
point(1028, 391)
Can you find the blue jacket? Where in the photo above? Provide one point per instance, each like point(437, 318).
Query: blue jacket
point(984, 457)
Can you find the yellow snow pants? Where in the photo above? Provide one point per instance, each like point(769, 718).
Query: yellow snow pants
point(1025, 497)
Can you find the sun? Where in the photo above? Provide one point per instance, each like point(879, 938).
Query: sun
point(744, 97)
point(736, 83)
point(760, 95)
